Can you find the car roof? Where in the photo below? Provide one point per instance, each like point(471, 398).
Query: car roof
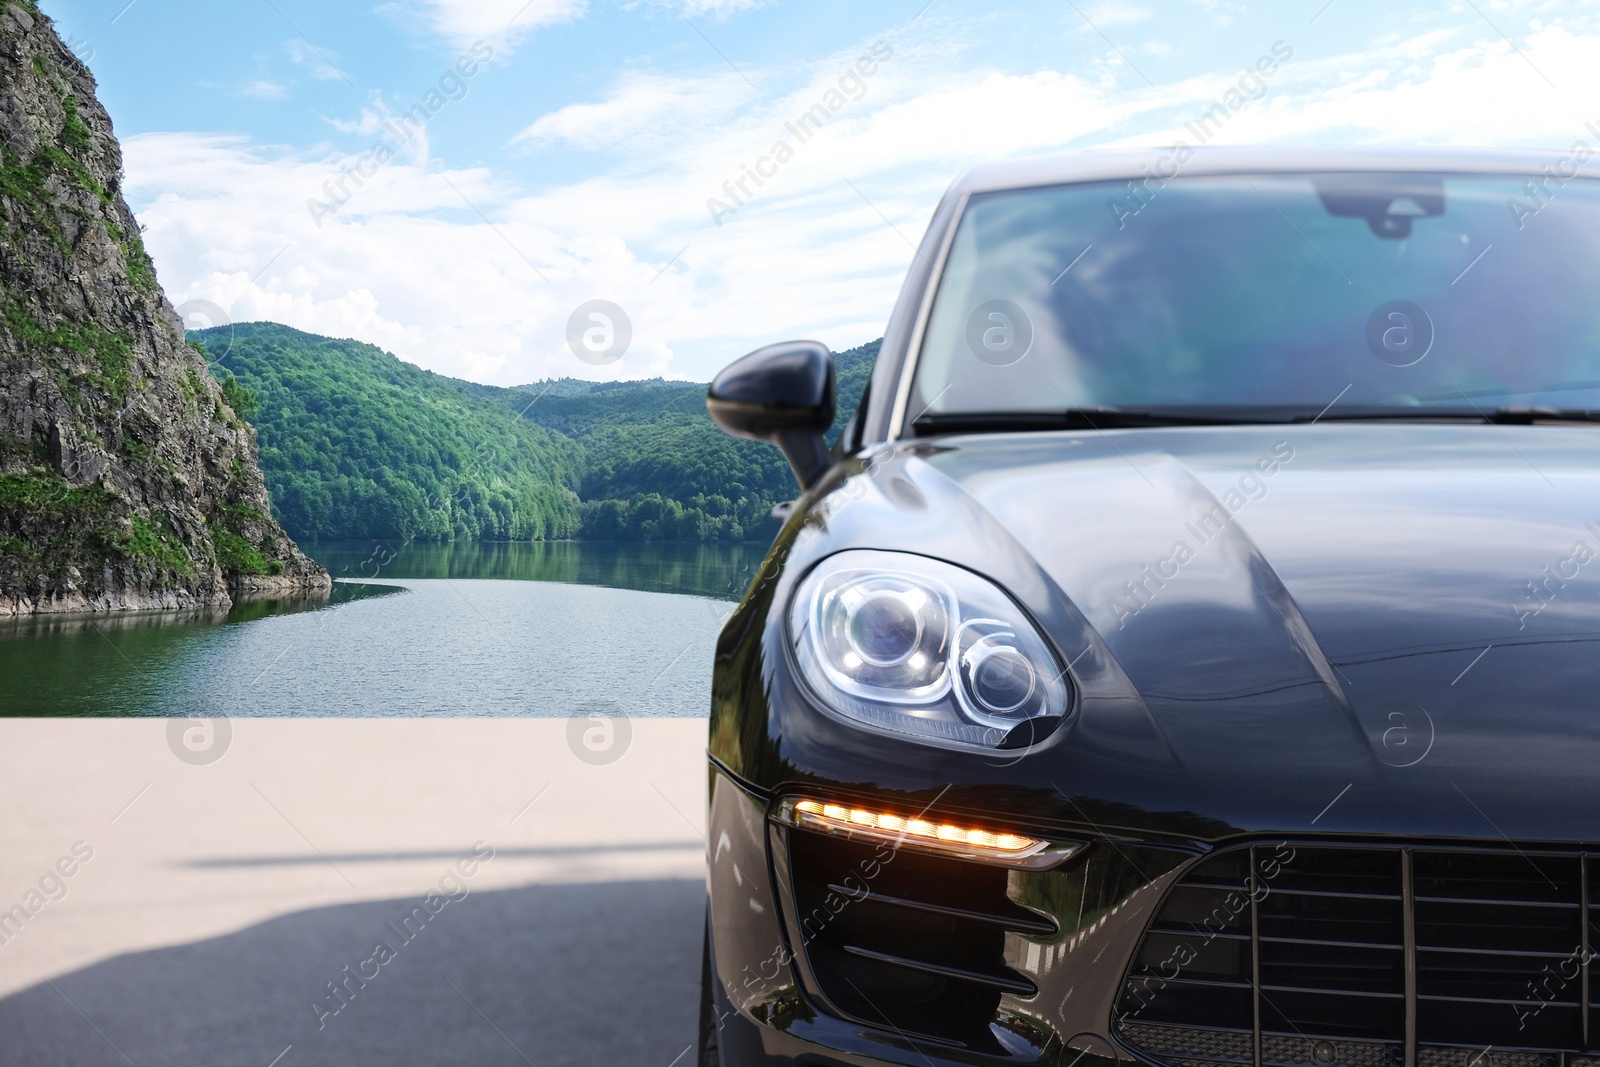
point(1125, 163)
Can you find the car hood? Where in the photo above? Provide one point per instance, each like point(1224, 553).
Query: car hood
point(1409, 606)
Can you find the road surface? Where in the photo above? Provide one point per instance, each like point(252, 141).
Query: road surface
point(350, 892)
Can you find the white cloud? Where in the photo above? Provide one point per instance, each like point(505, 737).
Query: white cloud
point(1423, 91)
point(715, 9)
point(719, 8)
point(321, 62)
point(1115, 13)
point(503, 23)
point(369, 122)
point(640, 110)
point(407, 264)
point(265, 90)
point(1222, 14)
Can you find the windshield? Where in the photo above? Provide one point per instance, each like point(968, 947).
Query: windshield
point(1269, 296)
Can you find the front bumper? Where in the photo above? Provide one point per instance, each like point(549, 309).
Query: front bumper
point(779, 1002)
point(1330, 951)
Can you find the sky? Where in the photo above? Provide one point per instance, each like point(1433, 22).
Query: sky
point(561, 152)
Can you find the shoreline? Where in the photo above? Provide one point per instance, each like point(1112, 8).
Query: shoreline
point(242, 590)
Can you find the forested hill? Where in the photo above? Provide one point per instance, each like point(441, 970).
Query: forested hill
point(357, 444)
point(657, 468)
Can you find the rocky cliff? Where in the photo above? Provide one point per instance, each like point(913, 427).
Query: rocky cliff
point(126, 480)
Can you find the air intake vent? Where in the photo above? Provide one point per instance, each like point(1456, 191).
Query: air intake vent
point(913, 944)
point(1314, 956)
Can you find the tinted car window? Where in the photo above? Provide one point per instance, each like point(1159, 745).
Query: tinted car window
point(1270, 291)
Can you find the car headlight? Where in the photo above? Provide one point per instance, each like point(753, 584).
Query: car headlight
point(913, 646)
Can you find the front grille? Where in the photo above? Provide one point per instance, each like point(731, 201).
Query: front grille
point(906, 941)
point(1296, 955)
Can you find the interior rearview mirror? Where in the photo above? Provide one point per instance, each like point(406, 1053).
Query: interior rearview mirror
point(784, 394)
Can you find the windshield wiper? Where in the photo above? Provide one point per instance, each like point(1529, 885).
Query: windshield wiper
point(1098, 418)
point(1506, 416)
point(1110, 418)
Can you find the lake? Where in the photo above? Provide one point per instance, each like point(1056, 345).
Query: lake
point(553, 629)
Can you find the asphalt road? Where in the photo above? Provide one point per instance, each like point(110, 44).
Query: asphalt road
point(478, 891)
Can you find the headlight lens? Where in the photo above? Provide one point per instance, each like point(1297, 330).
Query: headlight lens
point(917, 647)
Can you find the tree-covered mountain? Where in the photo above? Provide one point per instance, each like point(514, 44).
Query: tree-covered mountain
point(655, 466)
point(357, 444)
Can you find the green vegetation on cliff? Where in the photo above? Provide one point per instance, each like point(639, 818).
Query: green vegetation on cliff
point(79, 523)
point(127, 481)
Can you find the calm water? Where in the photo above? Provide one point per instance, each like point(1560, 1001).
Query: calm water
point(533, 629)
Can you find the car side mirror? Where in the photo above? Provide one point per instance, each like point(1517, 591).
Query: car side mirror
point(784, 394)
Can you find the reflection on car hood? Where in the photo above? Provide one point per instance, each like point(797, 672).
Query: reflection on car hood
point(1415, 591)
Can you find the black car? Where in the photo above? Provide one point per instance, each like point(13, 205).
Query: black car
point(1188, 654)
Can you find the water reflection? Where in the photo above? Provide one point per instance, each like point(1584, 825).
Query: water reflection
point(242, 611)
point(721, 571)
point(468, 629)
point(118, 663)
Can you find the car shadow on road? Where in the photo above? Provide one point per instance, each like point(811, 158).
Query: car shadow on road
point(547, 974)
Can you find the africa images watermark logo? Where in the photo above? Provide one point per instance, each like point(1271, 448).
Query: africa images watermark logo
point(1541, 591)
point(1400, 333)
point(1250, 87)
point(199, 741)
point(999, 333)
point(1559, 173)
point(598, 738)
point(852, 85)
point(51, 886)
point(1138, 593)
point(451, 86)
point(453, 886)
point(599, 332)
